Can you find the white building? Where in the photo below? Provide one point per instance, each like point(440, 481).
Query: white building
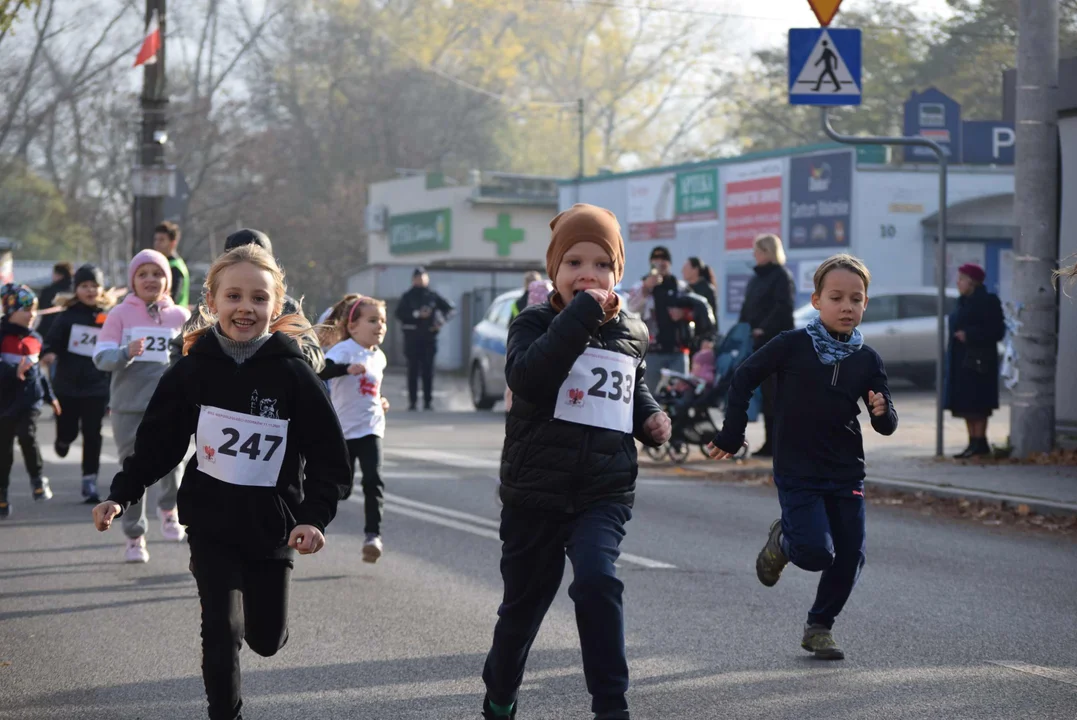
point(821, 200)
point(475, 240)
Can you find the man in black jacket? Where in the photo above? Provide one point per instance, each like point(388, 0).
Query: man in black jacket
point(768, 309)
point(61, 283)
point(421, 313)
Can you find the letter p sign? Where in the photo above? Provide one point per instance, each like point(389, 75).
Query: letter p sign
point(1001, 137)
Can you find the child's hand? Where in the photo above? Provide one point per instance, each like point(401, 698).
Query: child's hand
point(600, 295)
point(48, 358)
point(307, 539)
point(356, 369)
point(717, 453)
point(104, 513)
point(56, 407)
point(877, 401)
point(385, 404)
point(24, 367)
point(136, 347)
point(657, 427)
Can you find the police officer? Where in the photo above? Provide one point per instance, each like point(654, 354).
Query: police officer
point(421, 314)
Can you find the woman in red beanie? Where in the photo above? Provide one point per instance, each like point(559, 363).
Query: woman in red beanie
point(976, 327)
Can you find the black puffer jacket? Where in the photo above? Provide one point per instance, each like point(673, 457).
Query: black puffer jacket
point(557, 465)
point(768, 302)
point(76, 375)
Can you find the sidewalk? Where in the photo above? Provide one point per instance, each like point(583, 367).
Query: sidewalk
point(905, 462)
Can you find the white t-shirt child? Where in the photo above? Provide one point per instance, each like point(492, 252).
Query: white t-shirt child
point(357, 398)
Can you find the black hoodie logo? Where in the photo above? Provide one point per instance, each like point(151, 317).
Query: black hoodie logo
point(263, 407)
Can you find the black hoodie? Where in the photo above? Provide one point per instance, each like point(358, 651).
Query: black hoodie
point(277, 382)
point(76, 375)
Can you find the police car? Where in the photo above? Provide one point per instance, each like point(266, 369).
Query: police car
point(486, 366)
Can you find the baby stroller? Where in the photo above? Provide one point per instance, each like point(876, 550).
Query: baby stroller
point(688, 400)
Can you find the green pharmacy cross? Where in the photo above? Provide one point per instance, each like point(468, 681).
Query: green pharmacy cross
point(504, 234)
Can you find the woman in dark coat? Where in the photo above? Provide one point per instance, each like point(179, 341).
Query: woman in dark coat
point(700, 277)
point(976, 327)
point(768, 309)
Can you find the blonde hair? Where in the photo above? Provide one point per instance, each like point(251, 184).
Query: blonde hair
point(335, 328)
point(842, 261)
point(293, 325)
point(772, 246)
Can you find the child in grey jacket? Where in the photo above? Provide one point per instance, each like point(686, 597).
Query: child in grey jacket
point(134, 346)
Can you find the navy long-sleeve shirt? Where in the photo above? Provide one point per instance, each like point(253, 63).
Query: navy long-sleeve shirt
point(816, 431)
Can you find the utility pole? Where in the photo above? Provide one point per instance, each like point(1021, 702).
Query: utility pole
point(583, 137)
point(148, 210)
point(1032, 410)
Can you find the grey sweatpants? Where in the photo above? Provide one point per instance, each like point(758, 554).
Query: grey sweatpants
point(124, 428)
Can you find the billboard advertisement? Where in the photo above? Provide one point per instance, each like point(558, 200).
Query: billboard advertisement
point(697, 196)
point(753, 203)
point(651, 201)
point(820, 200)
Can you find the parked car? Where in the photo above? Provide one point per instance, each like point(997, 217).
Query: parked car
point(901, 324)
point(486, 366)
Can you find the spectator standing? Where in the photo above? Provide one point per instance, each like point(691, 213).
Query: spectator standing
point(422, 313)
point(166, 237)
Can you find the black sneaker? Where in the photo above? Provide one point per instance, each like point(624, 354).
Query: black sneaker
point(489, 714)
point(61, 448)
point(41, 488)
point(89, 490)
point(613, 715)
point(771, 559)
point(980, 448)
point(964, 454)
point(819, 639)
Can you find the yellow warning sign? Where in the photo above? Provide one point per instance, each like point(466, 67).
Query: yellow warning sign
point(824, 10)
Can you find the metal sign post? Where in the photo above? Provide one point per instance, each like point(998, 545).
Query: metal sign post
point(940, 272)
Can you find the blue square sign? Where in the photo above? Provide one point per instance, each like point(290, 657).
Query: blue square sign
point(824, 66)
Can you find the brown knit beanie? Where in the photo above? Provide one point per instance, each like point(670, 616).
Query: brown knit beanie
point(586, 223)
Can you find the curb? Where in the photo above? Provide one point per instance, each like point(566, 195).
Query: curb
point(1036, 504)
point(1042, 506)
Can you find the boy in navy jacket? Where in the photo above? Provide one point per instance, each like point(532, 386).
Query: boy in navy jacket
point(822, 371)
point(23, 388)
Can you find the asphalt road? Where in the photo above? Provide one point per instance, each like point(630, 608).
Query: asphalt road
point(950, 620)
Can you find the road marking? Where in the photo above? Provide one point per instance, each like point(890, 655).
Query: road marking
point(445, 458)
point(1062, 675)
point(478, 525)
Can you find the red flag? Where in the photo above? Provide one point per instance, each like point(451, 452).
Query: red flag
point(147, 54)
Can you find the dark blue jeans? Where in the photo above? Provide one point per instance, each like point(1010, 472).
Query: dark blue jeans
point(823, 530)
point(534, 546)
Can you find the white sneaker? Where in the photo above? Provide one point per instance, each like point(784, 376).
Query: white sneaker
point(136, 550)
point(170, 526)
point(372, 548)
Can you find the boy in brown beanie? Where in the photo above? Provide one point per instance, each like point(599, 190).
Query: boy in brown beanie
point(568, 469)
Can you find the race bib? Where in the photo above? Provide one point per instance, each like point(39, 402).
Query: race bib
point(157, 340)
point(598, 391)
point(241, 449)
point(83, 340)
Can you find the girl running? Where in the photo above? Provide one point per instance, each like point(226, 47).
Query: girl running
point(134, 346)
point(822, 371)
point(80, 387)
point(354, 369)
point(269, 468)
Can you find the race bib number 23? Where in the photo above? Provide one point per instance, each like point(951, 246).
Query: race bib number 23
point(599, 391)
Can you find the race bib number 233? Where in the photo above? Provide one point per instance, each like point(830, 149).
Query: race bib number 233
point(599, 391)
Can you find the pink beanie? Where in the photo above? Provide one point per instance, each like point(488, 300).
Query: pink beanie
point(149, 256)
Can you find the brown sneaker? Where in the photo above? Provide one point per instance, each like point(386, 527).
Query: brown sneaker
point(771, 560)
point(819, 639)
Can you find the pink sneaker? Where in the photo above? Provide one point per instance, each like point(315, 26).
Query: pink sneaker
point(136, 550)
point(170, 526)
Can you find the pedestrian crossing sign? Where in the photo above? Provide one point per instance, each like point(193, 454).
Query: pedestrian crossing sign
point(824, 66)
